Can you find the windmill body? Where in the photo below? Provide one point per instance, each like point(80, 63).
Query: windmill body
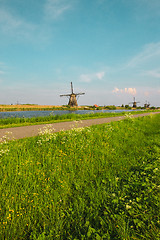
point(72, 97)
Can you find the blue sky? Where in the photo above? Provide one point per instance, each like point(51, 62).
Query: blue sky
point(109, 49)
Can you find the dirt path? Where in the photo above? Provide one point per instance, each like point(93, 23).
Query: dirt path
point(30, 131)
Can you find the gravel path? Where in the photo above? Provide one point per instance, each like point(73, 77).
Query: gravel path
point(31, 131)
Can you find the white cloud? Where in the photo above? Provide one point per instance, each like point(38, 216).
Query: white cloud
point(55, 8)
point(116, 90)
point(92, 77)
point(131, 91)
point(100, 75)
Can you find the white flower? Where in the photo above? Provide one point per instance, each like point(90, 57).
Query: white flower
point(4, 151)
point(46, 134)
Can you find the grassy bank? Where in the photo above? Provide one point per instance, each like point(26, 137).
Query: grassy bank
point(100, 182)
point(16, 122)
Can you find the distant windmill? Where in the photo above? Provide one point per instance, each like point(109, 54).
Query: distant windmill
point(146, 105)
point(72, 97)
point(134, 103)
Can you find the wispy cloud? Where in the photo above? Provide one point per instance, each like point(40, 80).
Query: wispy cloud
point(150, 52)
point(153, 7)
point(92, 77)
point(131, 91)
point(153, 73)
point(10, 23)
point(56, 8)
point(14, 26)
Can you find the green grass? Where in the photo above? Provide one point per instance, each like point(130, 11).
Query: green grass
point(17, 122)
point(99, 182)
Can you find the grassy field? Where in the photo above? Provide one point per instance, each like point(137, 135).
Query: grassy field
point(99, 182)
point(17, 122)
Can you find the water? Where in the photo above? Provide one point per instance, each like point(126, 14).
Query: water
point(30, 114)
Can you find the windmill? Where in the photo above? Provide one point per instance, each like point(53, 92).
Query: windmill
point(72, 97)
point(146, 105)
point(134, 103)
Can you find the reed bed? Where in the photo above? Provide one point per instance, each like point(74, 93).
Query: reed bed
point(99, 182)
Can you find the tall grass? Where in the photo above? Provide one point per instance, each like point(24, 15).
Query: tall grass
point(99, 182)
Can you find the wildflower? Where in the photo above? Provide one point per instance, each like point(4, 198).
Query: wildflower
point(75, 126)
point(8, 136)
point(128, 207)
point(46, 130)
point(155, 170)
point(39, 142)
point(46, 134)
point(4, 151)
point(128, 116)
